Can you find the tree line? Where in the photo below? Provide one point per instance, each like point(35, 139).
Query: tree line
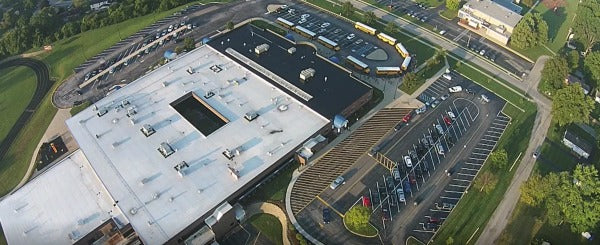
point(33, 23)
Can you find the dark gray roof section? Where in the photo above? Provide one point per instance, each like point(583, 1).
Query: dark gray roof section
point(329, 96)
point(510, 5)
point(578, 141)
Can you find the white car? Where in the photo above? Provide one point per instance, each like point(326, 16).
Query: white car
point(442, 32)
point(455, 89)
point(350, 36)
point(325, 25)
point(444, 97)
point(447, 77)
point(291, 11)
point(337, 182)
point(451, 115)
point(400, 194)
point(482, 52)
point(407, 161)
point(431, 100)
point(304, 16)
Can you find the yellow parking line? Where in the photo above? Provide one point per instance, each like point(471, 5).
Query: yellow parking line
point(332, 208)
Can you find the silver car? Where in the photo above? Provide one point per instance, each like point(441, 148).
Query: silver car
point(337, 182)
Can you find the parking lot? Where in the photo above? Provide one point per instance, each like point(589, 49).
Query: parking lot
point(414, 176)
point(451, 30)
point(351, 41)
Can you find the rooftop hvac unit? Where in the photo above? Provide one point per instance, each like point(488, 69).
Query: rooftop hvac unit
point(131, 111)
point(165, 149)
point(291, 50)
point(261, 48)
point(307, 74)
point(250, 116)
point(147, 130)
point(180, 168)
point(102, 112)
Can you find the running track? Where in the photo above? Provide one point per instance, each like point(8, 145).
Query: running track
point(43, 86)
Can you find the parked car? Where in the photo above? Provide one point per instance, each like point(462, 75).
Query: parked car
point(435, 103)
point(439, 128)
point(337, 182)
point(396, 173)
point(447, 121)
point(431, 100)
point(425, 142)
point(326, 215)
point(407, 161)
point(400, 194)
point(447, 76)
point(366, 201)
point(455, 89)
point(444, 97)
point(304, 16)
point(442, 32)
point(325, 25)
point(421, 110)
point(302, 21)
point(407, 118)
point(451, 115)
point(350, 36)
point(439, 148)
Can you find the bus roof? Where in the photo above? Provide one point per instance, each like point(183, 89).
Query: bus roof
point(386, 36)
point(366, 26)
point(406, 61)
point(307, 31)
point(324, 39)
point(388, 68)
point(401, 47)
point(357, 62)
point(287, 22)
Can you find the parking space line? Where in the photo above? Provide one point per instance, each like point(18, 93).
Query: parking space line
point(459, 186)
point(470, 175)
point(481, 154)
point(492, 136)
point(481, 149)
point(328, 205)
point(474, 164)
point(450, 198)
point(470, 169)
point(457, 192)
point(439, 210)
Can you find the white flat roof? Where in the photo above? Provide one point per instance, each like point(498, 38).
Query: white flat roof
point(156, 200)
point(65, 201)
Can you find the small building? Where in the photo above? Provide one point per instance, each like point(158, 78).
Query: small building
point(309, 148)
point(99, 4)
point(494, 20)
point(578, 145)
point(597, 96)
point(572, 79)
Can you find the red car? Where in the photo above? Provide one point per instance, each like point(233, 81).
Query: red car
point(366, 201)
point(407, 118)
point(447, 120)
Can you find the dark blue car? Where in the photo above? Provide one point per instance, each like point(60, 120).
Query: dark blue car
point(326, 215)
point(406, 185)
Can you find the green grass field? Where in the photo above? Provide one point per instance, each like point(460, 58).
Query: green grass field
point(274, 189)
point(475, 208)
point(432, 3)
point(17, 85)
point(559, 23)
point(269, 226)
point(66, 55)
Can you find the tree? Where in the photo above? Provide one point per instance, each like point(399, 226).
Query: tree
point(391, 27)
point(347, 9)
point(449, 241)
point(81, 3)
point(486, 182)
point(531, 31)
point(528, 3)
point(358, 216)
point(498, 159)
point(188, 43)
point(586, 25)
point(570, 105)
point(230, 25)
point(573, 59)
point(537, 189)
point(409, 81)
point(8, 20)
point(453, 4)
point(591, 65)
point(554, 73)
point(369, 18)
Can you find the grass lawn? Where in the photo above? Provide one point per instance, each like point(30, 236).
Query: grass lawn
point(269, 226)
point(423, 74)
point(431, 3)
point(413, 241)
point(17, 85)
point(559, 23)
point(369, 230)
point(265, 25)
point(66, 55)
point(79, 108)
point(274, 189)
point(449, 14)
